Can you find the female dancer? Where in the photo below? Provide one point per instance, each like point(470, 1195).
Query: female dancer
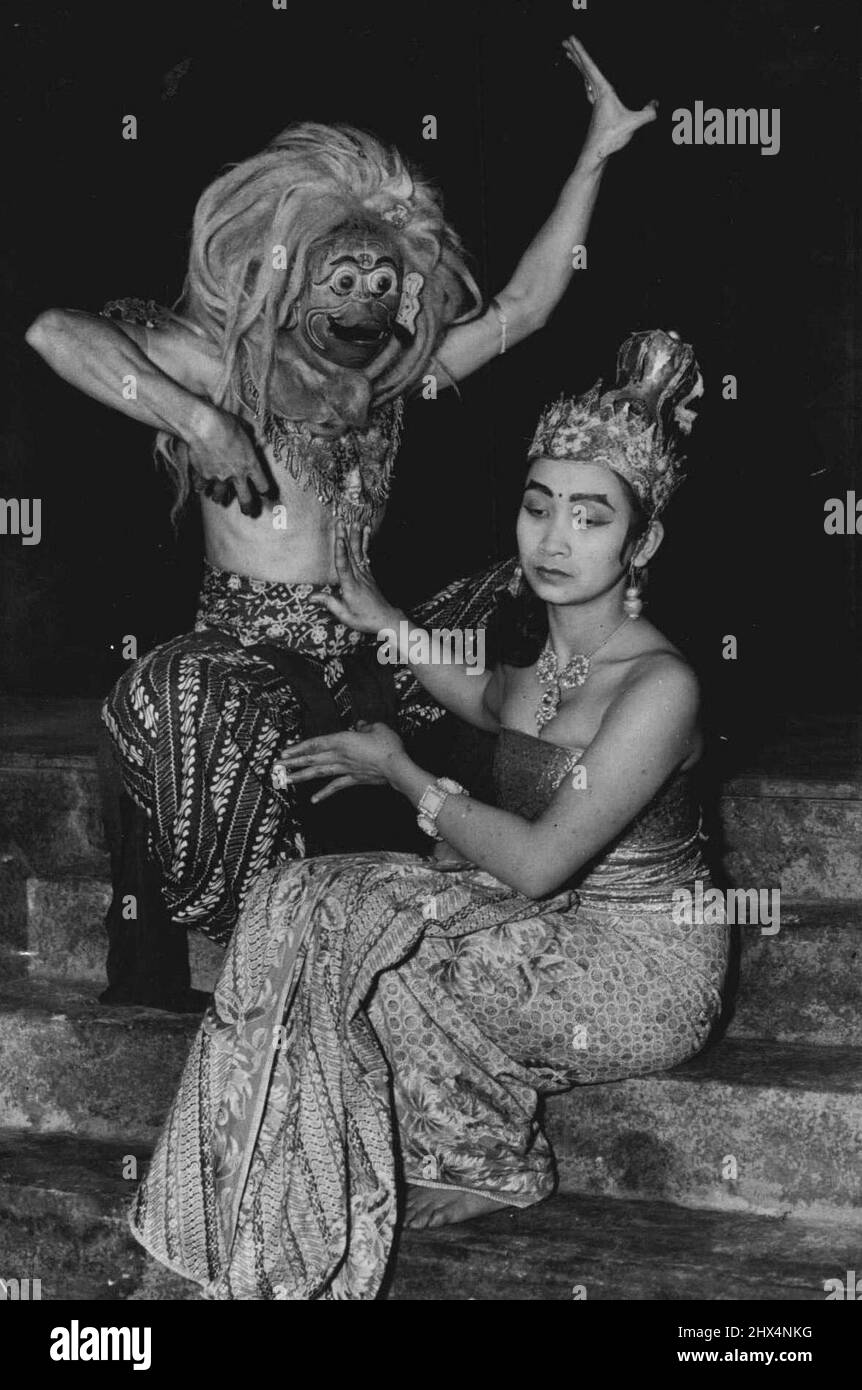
point(383, 1017)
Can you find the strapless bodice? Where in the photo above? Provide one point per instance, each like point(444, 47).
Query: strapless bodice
point(658, 851)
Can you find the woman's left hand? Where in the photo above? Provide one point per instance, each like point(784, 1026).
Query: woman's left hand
point(366, 755)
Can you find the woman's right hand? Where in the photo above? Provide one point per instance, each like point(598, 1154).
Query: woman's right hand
point(360, 604)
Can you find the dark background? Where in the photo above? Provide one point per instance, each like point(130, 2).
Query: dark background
point(752, 258)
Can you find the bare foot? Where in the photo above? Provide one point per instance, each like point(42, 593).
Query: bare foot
point(430, 1207)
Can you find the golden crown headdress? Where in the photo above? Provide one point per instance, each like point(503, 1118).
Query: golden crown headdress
point(634, 428)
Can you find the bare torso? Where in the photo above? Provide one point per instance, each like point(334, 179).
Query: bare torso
point(291, 541)
point(292, 546)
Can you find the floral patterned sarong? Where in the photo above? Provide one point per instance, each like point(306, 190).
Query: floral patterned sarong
point(379, 1018)
point(275, 1176)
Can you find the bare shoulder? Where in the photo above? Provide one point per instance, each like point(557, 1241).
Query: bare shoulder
point(664, 673)
point(659, 703)
point(656, 707)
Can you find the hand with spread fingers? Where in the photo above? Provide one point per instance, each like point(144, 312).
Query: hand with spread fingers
point(366, 755)
point(360, 604)
point(612, 124)
point(225, 463)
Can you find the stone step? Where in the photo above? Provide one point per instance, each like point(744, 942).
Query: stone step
point(799, 829)
point(594, 1248)
point(51, 809)
point(62, 1214)
point(68, 1063)
point(60, 935)
point(62, 1220)
point(802, 984)
point(749, 1125)
point(789, 1116)
point(801, 834)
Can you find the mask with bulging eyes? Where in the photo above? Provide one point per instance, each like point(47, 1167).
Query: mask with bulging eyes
point(350, 308)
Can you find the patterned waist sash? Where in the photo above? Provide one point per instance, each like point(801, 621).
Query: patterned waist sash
point(332, 670)
point(265, 610)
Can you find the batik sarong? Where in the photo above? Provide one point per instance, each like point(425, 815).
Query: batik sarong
point(379, 1019)
point(198, 722)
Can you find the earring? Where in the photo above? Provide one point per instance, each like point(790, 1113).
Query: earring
point(514, 584)
point(632, 601)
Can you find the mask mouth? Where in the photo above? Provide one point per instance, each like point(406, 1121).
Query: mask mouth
point(352, 337)
point(367, 333)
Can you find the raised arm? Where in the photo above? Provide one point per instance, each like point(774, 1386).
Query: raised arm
point(544, 271)
point(162, 378)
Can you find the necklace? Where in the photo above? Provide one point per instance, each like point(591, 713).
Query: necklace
point(351, 474)
point(555, 681)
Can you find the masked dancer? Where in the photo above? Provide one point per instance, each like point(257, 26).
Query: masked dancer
point(323, 286)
